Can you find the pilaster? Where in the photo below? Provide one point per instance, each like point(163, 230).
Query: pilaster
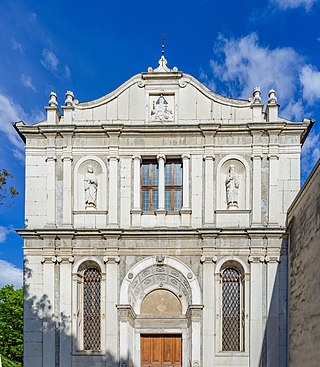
point(65, 261)
point(51, 182)
point(273, 320)
point(256, 185)
point(185, 210)
point(161, 211)
point(113, 191)
point(48, 305)
point(194, 316)
point(208, 261)
point(111, 320)
point(67, 184)
point(209, 190)
point(257, 323)
point(274, 199)
point(136, 210)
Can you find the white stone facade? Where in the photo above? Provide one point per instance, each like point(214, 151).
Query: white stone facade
point(240, 172)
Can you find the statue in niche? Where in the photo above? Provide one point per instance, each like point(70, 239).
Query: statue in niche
point(160, 110)
point(232, 188)
point(90, 188)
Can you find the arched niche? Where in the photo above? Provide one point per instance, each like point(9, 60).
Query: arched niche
point(100, 173)
point(240, 169)
point(161, 303)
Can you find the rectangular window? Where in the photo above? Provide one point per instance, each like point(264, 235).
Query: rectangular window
point(173, 185)
point(149, 185)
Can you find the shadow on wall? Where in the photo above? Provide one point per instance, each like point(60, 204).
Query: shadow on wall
point(274, 345)
point(47, 342)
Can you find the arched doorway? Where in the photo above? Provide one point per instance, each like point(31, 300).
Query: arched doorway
point(160, 314)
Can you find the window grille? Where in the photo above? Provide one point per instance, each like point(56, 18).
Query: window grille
point(231, 310)
point(150, 181)
point(92, 310)
point(173, 185)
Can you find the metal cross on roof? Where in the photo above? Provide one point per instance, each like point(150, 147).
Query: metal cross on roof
point(163, 38)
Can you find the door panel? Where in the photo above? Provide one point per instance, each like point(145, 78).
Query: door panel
point(161, 350)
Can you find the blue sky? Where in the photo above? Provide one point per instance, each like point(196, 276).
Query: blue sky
point(93, 47)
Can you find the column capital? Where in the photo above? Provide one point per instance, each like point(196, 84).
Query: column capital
point(272, 259)
point(209, 157)
point(185, 156)
point(51, 159)
point(126, 313)
point(161, 156)
point(136, 157)
point(256, 259)
point(256, 156)
point(194, 312)
point(113, 157)
point(273, 156)
point(67, 158)
point(111, 259)
point(208, 259)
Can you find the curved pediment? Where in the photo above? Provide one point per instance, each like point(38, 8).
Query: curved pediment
point(163, 96)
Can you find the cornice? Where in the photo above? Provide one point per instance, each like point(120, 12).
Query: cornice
point(108, 233)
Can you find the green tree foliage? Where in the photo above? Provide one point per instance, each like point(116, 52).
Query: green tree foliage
point(7, 363)
point(6, 192)
point(11, 325)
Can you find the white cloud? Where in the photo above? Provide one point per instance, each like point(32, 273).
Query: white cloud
point(205, 79)
point(310, 80)
point(292, 4)
point(17, 46)
point(293, 109)
point(3, 233)
point(242, 64)
point(310, 152)
point(10, 274)
point(10, 112)
point(246, 65)
point(67, 72)
point(27, 82)
point(49, 60)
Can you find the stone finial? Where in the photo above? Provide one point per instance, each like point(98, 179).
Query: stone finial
point(69, 98)
point(162, 68)
point(257, 95)
point(53, 102)
point(272, 97)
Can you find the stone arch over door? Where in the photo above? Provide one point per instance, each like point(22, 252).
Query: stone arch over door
point(150, 276)
point(174, 269)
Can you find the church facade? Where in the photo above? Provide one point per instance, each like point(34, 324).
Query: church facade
point(156, 227)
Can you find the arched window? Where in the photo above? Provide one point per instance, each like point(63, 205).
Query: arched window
point(92, 309)
point(232, 310)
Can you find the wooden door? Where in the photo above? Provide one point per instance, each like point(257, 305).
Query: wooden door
point(161, 350)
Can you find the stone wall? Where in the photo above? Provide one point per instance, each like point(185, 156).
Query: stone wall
point(304, 275)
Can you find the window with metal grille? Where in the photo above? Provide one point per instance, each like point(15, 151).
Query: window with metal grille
point(231, 310)
point(92, 310)
point(149, 185)
point(173, 185)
